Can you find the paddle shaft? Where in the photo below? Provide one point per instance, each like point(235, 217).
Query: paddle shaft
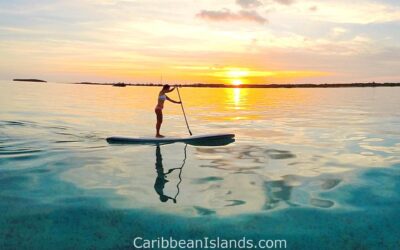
point(183, 110)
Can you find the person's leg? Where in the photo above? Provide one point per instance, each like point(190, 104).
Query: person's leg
point(159, 122)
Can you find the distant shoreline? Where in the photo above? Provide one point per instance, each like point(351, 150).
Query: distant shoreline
point(203, 85)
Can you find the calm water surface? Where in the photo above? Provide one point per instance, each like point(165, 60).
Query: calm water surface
point(317, 167)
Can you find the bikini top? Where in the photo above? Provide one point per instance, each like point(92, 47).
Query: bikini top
point(162, 97)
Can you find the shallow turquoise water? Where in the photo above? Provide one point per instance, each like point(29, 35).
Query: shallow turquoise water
point(319, 168)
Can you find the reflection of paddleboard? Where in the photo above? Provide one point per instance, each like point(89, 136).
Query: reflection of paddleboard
point(210, 139)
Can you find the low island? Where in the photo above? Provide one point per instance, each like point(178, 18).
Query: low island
point(28, 80)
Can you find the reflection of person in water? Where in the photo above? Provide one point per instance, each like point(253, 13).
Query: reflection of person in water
point(161, 177)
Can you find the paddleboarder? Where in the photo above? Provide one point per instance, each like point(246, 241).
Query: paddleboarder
point(162, 97)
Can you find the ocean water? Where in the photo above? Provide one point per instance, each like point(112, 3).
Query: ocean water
point(319, 168)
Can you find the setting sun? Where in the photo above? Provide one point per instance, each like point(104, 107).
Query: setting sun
point(237, 82)
point(235, 76)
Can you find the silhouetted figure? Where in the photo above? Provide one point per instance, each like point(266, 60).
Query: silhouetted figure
point(160, 105)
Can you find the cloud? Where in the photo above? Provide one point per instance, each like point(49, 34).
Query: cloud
point(227, 15)
point(248, 3)
point(313, 8)
point(285, 2)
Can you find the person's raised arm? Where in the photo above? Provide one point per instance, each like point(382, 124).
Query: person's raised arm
point(169, 99)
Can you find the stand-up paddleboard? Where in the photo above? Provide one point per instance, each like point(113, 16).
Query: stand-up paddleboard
point(209, 139)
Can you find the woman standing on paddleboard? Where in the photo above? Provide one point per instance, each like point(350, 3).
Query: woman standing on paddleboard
point(160, 105)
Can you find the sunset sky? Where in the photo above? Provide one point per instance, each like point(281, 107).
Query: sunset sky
point(209, 41)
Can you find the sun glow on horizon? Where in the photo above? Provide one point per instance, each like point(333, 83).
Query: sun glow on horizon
point(237, 76)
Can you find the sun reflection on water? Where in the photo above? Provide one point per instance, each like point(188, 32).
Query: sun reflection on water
point(236, 96)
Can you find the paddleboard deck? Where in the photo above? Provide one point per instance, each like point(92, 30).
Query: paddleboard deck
point(195, 139)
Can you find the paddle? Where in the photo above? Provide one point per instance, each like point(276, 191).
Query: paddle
point(183, 110)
